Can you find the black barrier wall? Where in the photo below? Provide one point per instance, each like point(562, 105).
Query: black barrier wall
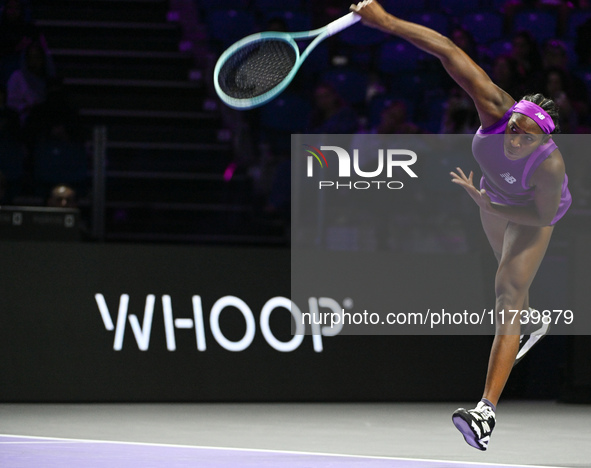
point(82, 322)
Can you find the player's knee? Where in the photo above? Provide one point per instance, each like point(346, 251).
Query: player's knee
point(509, 300)
point(509, 295)
point(510, 287)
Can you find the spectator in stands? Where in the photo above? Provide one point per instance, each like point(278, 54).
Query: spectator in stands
point(331, 113)
point(465, 41)
point(27, 87)
point(555, 54)
point(525, 51)
point(460, 115)
point(62, 196)
point(505, 73)
point(395, 120)
point(560, 8)
point(556, 57)
point(555, 88)
point(16, 34)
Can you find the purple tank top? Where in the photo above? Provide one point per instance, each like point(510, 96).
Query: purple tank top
point(505, 180)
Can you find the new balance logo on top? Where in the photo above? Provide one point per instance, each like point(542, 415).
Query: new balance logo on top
point(540, 116)
point(508, 178)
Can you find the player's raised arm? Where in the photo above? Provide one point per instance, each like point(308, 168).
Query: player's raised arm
point(490, 100)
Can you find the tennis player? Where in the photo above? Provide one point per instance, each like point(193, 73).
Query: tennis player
point(522, 194)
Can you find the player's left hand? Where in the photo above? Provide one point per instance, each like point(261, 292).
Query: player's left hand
point(479, 196)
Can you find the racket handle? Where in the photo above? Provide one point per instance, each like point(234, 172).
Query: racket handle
point(342, 23)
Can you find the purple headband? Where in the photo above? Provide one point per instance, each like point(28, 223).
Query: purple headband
point(537, 114)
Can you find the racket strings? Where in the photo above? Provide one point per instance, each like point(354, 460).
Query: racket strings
point(256, 68)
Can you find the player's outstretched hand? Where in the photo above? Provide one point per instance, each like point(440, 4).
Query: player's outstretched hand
point(372, 14)
point(479, 196)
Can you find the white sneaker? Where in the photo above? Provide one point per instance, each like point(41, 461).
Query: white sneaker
point(532, 334)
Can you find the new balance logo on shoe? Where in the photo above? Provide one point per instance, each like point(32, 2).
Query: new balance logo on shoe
point(476, 428)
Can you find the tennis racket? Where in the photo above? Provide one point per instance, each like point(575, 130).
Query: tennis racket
point(259, 67)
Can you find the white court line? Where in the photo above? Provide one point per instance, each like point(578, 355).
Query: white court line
point(288, 452)
point(38, 442)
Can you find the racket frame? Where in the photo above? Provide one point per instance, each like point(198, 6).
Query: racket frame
point(319, 35)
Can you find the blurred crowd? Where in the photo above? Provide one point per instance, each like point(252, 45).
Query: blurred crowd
point(40, 147)
point(364, 81)
point(360, 81)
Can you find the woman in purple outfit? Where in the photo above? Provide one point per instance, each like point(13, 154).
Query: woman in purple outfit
point(522, 194)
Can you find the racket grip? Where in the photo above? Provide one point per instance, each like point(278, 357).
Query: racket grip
point(342, 23)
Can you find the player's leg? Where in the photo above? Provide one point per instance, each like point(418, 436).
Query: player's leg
point(477, 424)
point(494, 228)
point(519, 250)
point(524, 248)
